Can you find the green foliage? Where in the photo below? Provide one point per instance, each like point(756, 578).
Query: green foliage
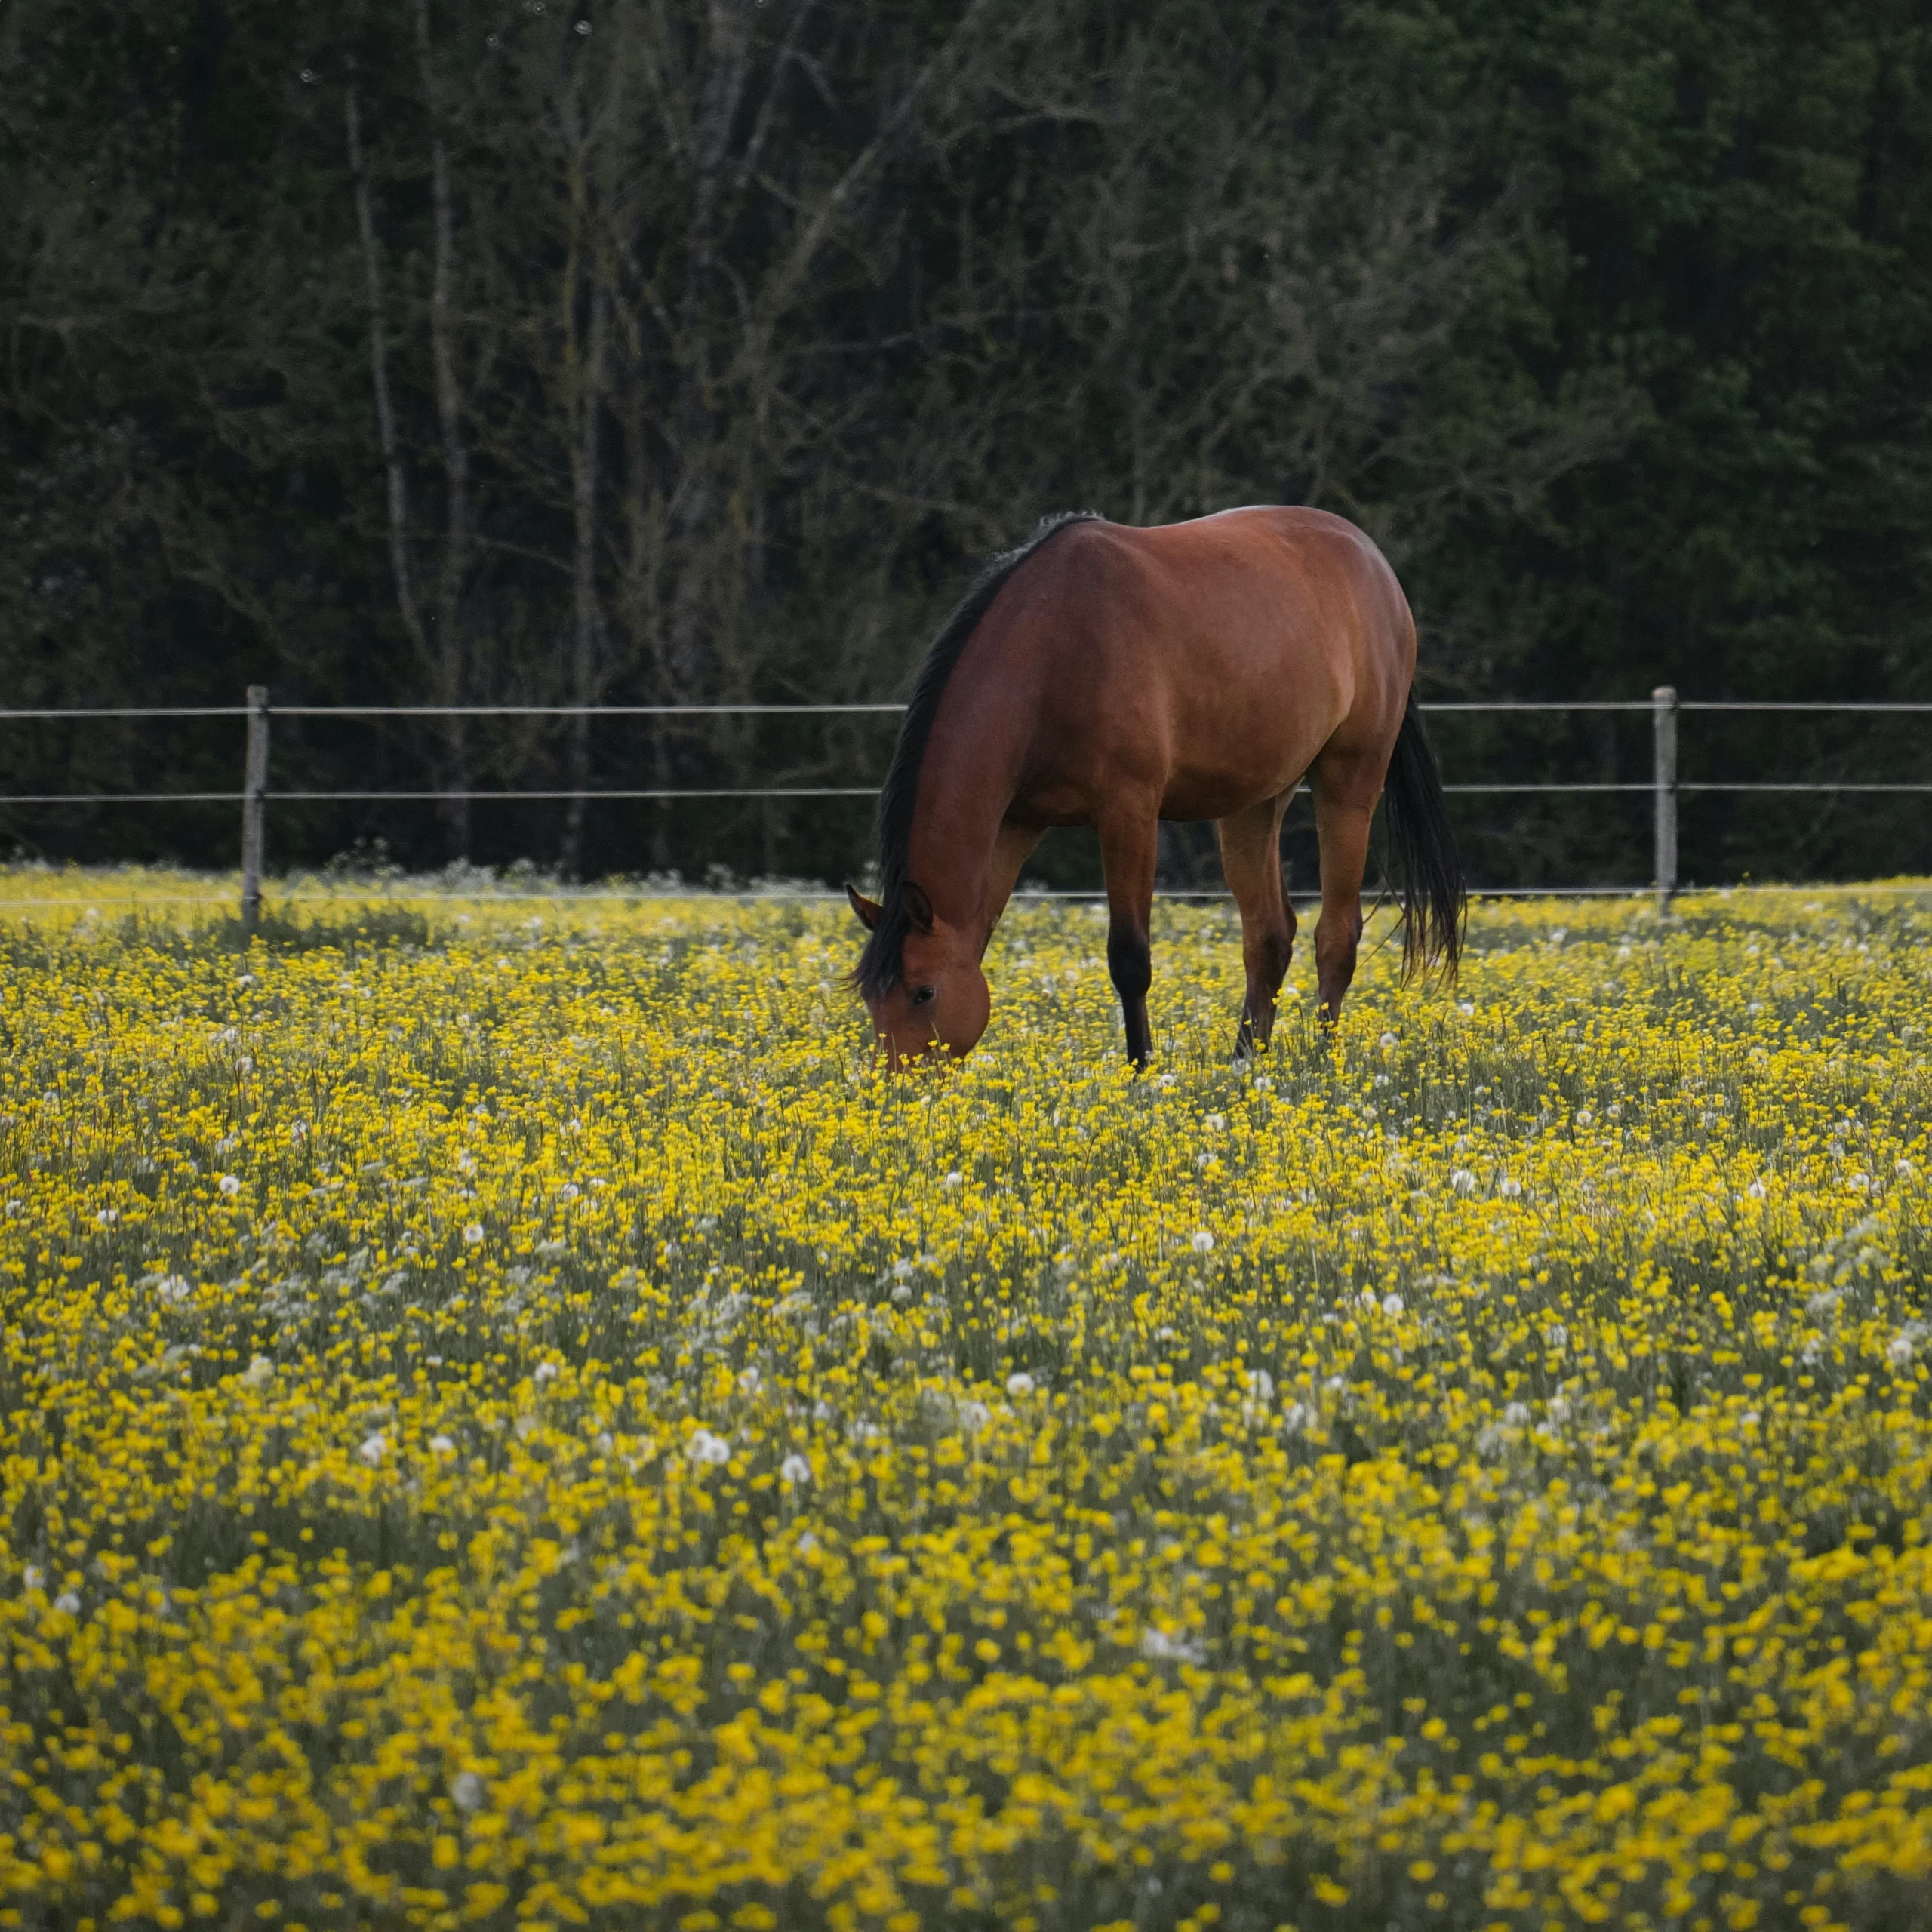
point(716, 347)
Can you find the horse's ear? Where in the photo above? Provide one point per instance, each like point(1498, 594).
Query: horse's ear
point(918, 907)
point(869, 911)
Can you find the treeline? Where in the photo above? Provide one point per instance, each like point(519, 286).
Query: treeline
point(650, 352)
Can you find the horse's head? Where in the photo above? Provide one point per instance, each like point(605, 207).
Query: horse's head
point(938, 997)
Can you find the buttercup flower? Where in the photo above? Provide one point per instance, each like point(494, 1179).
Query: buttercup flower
point(1522, 1521)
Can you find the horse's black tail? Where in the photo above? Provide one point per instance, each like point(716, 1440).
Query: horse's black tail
point(1434, 901)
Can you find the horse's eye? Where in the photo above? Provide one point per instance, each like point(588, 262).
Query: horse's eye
point(921, 995)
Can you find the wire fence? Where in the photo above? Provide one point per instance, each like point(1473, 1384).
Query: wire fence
point(254, 796)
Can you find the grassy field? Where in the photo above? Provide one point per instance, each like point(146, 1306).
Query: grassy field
point(507, 1419)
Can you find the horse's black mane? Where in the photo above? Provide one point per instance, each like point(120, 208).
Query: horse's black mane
point(878, 970)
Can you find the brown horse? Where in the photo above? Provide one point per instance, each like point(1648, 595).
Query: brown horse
point(1113, 677)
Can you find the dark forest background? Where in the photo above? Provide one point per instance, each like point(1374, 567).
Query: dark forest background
point(614, 351)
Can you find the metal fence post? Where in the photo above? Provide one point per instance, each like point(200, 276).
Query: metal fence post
point(254, 792)
point(1663, 720)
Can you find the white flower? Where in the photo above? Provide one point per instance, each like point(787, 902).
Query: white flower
point(259, 1373)
point(1391, 1304)
point(1019, 1383)
point(1467, 1008)
point(1516, 1416)
point(1903, 1169)
point(705, 1448)
point(1510, 1187)
point(569, 1191)
point(465, 1162)
point(107, 1217)
point(1557, 1409)
point(1368, 1300)
point(473, 1233)
point(1462, 1180)
point(795, 1469)
point(1387, 1042)
point(807, 1544)
point(1215, 1122)
point(1203, 1242)
point(1822, 1303)
point(68, 1601)
point(1296, 1417)
point(955, 1178)
point(441, 1445)
point(33, 1576)
point(1756, 1191)
point(1584, 1117)
point(229, 1186)
point(1900, 1352)
point(1556, 1336)
point(374, 1448)
point(467, 1791)
point(546, 1371)
point(1157, 1643)
point(1260, 1384)
point(1859, 1182)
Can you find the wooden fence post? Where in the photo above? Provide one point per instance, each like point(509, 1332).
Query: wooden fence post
point(1663, 719)
point(254, 792)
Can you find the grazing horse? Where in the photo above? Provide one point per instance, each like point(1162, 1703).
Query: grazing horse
point(1103, 675)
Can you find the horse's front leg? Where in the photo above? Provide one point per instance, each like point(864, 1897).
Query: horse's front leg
point(1011, 850)
point(1128, 844)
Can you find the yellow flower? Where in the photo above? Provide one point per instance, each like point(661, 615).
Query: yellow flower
point(614, 1457)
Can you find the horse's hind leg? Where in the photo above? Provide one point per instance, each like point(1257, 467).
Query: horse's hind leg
point(1251, 858)
point(1127, 849)
point(1346, 786)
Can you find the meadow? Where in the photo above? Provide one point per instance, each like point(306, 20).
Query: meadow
point(508, 1418)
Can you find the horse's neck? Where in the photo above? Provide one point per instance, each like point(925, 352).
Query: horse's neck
point(970, 775)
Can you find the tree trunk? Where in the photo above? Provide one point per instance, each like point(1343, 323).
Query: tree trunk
point(379, 373)
point(451, 664)
point(587, 621)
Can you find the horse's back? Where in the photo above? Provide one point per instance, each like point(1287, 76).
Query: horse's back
point(1217, 658)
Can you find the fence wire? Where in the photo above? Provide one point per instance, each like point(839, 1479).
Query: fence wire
point(1664, 788)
